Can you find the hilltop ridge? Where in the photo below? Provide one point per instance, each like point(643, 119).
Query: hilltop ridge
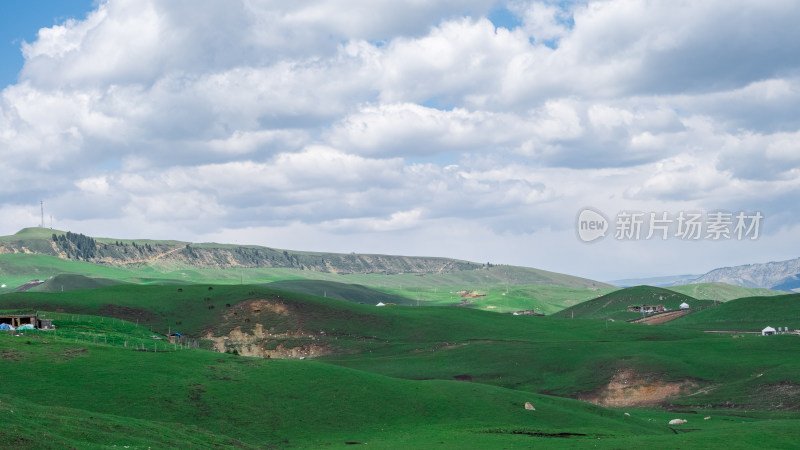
point(181, 254)
point(173, 255)
point(779, 275)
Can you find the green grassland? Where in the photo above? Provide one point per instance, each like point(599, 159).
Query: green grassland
point(340, 291)
point(498, 298)
point(537, 354)
point(193, 262)
point(746, 314)
point(502, 297)
point(393, 390)
point(389, 377)
point(722, 292)
point(70, 282)
point(507, 288)
point(389, 380)
point(245, 402)
point(615, 304)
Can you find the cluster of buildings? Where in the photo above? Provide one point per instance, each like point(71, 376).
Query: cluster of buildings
point(652, 309)
point(769, 331)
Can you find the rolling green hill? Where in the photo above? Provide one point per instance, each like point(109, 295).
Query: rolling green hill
point(68, 394)
point(69, 282)
point(615, 304)
point(385, 376)
point(506, 288)
point(176, 256)
point(572, 358)
point(41, 254)
point(722, 292)
point(746, 314)
point(496, 297)
point(340, 291)
point(287, 349)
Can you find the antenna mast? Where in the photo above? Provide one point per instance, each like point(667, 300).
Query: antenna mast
point(41, 203)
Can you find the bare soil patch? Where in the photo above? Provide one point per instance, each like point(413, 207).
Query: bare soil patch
point(292, 344)
point(265, 328)
point(628, 388)
point(657, 319)
point(257, 306)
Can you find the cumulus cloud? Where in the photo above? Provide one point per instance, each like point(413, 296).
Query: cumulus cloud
point(387, 118)
point(410, 129)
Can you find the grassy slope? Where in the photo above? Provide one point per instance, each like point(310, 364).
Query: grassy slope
point(16, 269)
point(508, 288)
point(574, 358)
point(722, 292)
point(159, 307)
point(77, 393)
point(71, 282)
point(388, 394)
point(504, 297)
point(341, 291)
point(751, 313)
point(26, 267)
point(38, 240)
point(499, 298)
point(262, 403)
point(615, 304)
point(534, 354)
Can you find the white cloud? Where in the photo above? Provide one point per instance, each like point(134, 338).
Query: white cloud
point(542, 21)
point(410, 129)
point(401, 121)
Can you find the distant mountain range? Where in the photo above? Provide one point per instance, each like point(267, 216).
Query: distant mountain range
point(777, 275)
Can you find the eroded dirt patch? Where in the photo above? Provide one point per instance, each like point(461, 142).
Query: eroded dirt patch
point(265, 328)
point(265, 344)
point(257, 306)
point(628, 388)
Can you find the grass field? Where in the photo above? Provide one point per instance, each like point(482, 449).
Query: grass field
point(388, 377)
point(235, 401)
point(615, 304)
point(746, 314)
point(722, 292)
point(536, 354)
point(71, 389)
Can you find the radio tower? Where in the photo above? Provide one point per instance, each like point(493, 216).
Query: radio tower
point(41, 203)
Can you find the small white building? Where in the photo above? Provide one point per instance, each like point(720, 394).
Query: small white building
point(684, 305)
point(381, 304)
point(768, 331)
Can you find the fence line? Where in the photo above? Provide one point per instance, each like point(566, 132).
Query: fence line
point(70, 330)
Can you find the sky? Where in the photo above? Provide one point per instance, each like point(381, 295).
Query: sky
point(474, 129)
